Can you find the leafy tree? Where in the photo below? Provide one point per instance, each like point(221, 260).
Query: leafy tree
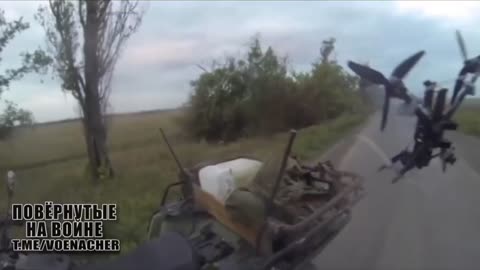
point(85, 40)
point(36, 61)
point(257, 95)
point(13, 116)
point(217, 103)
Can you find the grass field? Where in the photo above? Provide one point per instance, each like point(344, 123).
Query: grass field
point(469, 117)
point(50, 162)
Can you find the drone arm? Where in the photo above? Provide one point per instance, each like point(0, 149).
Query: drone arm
point(459, 83)
point(468, 88)
point(423, 114)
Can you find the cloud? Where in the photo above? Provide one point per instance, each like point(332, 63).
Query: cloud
point(163, 52)
point(457, 12)
point(160, 60)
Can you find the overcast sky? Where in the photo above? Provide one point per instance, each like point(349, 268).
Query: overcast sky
point(160, 60)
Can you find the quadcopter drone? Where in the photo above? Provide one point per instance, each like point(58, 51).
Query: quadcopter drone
point(434, 115)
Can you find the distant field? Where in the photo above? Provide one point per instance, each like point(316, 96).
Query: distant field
point(471, 102)
point(469, 117)
point(51, 163)
point(62, 141)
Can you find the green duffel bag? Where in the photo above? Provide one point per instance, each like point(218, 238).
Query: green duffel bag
point(246, 208)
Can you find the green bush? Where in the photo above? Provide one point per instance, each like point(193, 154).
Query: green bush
point(257, 95)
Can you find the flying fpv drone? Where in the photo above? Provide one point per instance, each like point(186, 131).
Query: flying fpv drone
point(434, 115)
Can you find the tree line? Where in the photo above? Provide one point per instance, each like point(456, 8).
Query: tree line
point(257, 94)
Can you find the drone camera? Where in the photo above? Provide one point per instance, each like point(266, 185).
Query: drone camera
point(451, 159)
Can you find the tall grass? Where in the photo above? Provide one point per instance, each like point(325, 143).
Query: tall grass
point(44, 144)
point(469, 119)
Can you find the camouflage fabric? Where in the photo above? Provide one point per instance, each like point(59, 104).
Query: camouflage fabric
point(298, 180)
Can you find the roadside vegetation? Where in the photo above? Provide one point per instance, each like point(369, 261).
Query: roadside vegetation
point(468, 117)
point(257, 95)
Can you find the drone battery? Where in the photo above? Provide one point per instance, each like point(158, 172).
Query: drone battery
point(428, 99)
point(439, 104)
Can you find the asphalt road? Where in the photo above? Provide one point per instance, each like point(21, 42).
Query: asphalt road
point(428, 220)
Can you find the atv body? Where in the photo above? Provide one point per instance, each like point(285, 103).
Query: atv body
point(237, 233)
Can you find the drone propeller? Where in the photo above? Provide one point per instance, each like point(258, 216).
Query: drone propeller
point(469, 66)
point(394, 87)
point(403, 68)
point(368, 73)
point(461, 44)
